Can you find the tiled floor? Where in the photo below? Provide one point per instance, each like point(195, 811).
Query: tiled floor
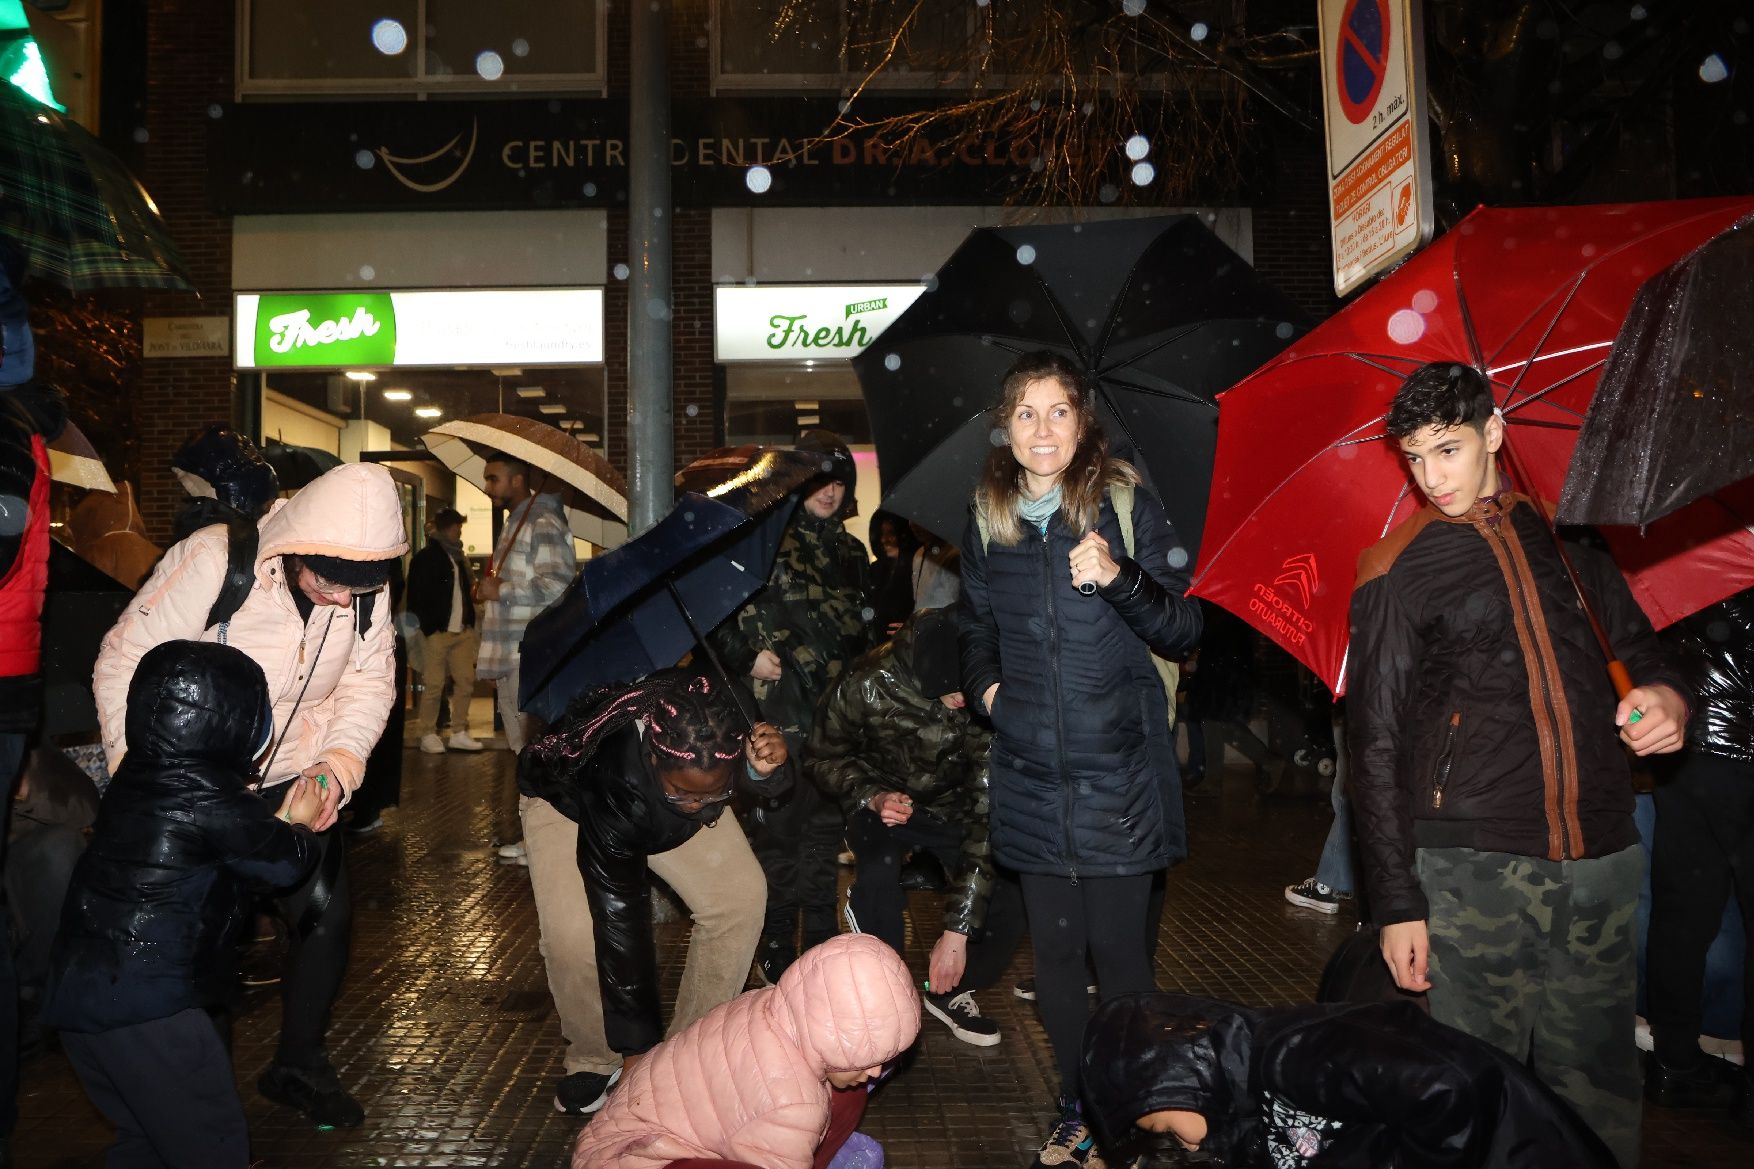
point(446, 1033)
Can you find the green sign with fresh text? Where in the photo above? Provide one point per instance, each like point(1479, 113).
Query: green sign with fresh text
point(325, 329)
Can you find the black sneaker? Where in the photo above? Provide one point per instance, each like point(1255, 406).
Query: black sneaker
point(963, 1017)
point(582, 1093)
point(1071, 1142)
point(315, 1091)
point(1312, 894)
point(1025, 989)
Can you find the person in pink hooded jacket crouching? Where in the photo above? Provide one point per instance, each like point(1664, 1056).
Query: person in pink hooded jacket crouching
point(757, 1079)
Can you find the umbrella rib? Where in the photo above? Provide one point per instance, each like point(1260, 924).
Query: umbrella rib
point(1178, 395)
point(1552, 323)
point(1541, 394)
point(1138, 357)
point(1468, 320)
point(1114, 315)
point(1065, 320)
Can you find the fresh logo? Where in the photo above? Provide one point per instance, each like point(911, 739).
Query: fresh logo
point(326, 330)
point(867, 306)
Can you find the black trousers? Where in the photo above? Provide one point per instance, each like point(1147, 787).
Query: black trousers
point(12, 752)
point(798, 845)
point(1703, 846)
point(878, 901)
point(319, 920)
point(167, 1087)
point(1103, 919)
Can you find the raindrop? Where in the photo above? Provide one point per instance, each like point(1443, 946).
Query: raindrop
point(1199, 31)
point(657, 309)
point(998, 437)
point(1087, 108)
point(1026, 254)
point(1424, 300)
point(1062, 923)
point(620, 271)
point(1587, 250)
point(688, 517)
point(868, 613)
point(1138, 146)
point(140, 134)
point(489, 65)
point(758, 179)
point(363, 159)
point(1108, 193)
point(216, 110)
point(1019, 311)
point(691, 410)
point(389, 37)
point(892, 361)
point(1143, 173)
point(367, 272)
point(1612, 51)
point(1037, 164)
point(520, 48)
point(1713, 69)
point(590, 190)
point(1406, 327)
point(1131, 8)
point(1178, 558)
point(1638, 12)
point(1035, 105)
point(982, 3)
point(1283, 330)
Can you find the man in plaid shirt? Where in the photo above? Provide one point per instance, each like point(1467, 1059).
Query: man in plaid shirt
point(533, 564)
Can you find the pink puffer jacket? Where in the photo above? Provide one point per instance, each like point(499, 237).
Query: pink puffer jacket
point(351, 512)
point(749, 1082)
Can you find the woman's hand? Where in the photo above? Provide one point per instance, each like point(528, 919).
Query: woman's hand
point(1091, 563)
point(987, 698)
point(766, 749)
point(766, 667)
point(893, 808)
point(328, 789)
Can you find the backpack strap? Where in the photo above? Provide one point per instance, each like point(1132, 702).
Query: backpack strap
point(241, 540)
point(1120, 496)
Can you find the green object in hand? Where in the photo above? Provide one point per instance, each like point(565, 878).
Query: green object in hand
point(1634, 717)
point(322, 782)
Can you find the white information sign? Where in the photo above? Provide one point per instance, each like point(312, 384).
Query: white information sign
point(186, 337)
point(1379, 154)
point(804, 322)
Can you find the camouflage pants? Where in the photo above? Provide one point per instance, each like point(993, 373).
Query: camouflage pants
point(1536, 957)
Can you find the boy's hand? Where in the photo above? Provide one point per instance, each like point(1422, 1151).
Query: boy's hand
point(1406, 947)
point(893, 808)
point(487, 589)
point(766, 667)
point(949, 960)
point(987, 698)
point(766, 749)
point(328, 789)
point(303, 802)
point(1662, 722)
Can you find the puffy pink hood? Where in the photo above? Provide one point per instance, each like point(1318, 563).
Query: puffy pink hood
point(749, 1081)
point(351, 512)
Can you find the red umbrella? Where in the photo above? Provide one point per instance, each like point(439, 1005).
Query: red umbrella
point(1304, 479)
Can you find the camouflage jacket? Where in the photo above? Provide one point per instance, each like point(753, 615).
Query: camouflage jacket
point(812, 613)
point(876, 732)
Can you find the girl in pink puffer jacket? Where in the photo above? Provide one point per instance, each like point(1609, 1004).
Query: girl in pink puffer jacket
point(754, 1080)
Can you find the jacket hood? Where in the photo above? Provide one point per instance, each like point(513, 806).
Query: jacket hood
point(849, 1003)
point(221, 463)
point(1150, 1051)
point(192, 701)
point(351, 512)
point(100, 514)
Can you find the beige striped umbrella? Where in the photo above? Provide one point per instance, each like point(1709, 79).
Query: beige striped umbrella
point(74, 461)
point(594, 492)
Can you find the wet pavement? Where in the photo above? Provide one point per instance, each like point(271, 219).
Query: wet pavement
point(447, 1035)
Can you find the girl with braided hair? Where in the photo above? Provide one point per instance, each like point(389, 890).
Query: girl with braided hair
point(621, 788)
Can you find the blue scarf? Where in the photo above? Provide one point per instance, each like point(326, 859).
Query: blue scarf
point(1040, 511)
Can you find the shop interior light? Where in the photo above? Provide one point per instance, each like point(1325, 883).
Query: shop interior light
point(360, 375)
point(809, 420)
point(532, 392)
point(592, 437)
point(810, 364)
point(428, 412)
point(398, 395)
point(801, 404)
point(552, 408)
point(506, 372)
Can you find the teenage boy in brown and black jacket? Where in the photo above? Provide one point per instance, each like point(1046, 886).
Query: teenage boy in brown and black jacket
point(1494, 804)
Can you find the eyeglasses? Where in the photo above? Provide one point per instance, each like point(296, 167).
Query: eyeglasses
point(693, 801)
point(329, 586)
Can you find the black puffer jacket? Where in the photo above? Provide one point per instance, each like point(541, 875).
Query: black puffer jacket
point(1480, 713)
point(1714, 650)
point(1340, 1086)
point(1083, 769)
point(623, 818)
point(876, 732)
point(150, 921)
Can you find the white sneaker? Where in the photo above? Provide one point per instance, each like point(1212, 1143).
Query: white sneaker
point(432, 744)
point(462, 742)
point(512, 851)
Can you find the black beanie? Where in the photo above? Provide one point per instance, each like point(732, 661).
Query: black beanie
point(937, 657)
point(353, 574)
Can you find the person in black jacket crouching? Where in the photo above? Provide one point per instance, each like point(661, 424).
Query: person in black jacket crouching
point(1341, 1085)
point(636, 772)
point(150, 924)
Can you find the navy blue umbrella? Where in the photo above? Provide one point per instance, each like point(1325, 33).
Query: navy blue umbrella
point(643, 606)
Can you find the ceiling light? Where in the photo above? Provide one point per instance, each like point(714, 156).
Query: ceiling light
point(809, 365)
point(506, 372)
point(428, 412)
point(590, 438)
point(531, 392)
point(552, 408)
point(809, 420)
point(398, 395)
point(803, 405)
point(360, 375)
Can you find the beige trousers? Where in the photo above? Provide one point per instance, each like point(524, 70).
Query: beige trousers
point(448, 655)
point(715, 874)
point(517, 723)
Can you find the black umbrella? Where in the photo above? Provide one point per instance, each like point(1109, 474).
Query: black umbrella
point(1160, 310)
point(645, 604)
point(1673, 417)
point(296, 466)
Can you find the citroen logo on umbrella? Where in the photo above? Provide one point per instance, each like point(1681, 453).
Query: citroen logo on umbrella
point(395, 163)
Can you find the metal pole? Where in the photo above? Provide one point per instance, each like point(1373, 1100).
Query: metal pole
point(651, 447)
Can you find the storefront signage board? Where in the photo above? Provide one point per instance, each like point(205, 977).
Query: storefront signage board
point(367, 330)
point(804, 322)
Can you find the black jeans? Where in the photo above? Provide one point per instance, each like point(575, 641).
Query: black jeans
point(319, 920)
point(1703, 846)
point(1104, 918)
point(878, 901)
point(798, 844)
point(12, 751)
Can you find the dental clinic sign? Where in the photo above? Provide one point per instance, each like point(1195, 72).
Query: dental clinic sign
point(364, 330)
point(804, 322)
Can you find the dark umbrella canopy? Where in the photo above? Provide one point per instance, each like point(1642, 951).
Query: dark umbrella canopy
point(1160, 310)
point(72, 207)
point(295, 466)
point(637, 608)
point(1673, 417)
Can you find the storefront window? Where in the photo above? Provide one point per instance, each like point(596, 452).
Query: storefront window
point(338, 47)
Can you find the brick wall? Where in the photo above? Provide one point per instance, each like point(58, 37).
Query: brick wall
point(1292, 243)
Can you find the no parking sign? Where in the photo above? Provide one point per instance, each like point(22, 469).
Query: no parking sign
point(1379, 154)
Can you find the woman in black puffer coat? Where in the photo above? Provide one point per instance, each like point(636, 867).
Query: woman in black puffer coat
point(1059, 623)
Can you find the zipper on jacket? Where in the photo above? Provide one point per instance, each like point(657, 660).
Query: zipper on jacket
point(1047, 577)
point(1547, 708)
point(1446, 760)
